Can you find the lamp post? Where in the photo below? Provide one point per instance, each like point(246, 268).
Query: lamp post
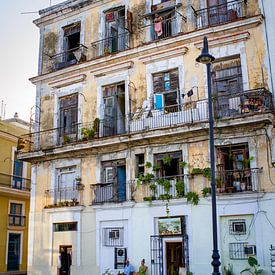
point(207, 59)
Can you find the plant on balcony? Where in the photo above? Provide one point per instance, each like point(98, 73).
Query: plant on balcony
point(167, 160)
point(180, 188)
point(228, 270)
point(196, 171)
point(96, 125)
point(153, 188)
point(219, 184)
point(182, 164)
point(206, 172)
point(206, 191)
point(192, 197)
point(145, 178)
point(148, 164)
point(156, 167)
point(66, 139)
point(87, 134)
point(254, 267)
point(75, 202)
point(246, 162)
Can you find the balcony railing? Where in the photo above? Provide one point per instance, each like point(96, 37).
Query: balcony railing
point(15, 182)
point(111, 192)
point(229, 105)
point(220, 14)
point(69, 57)
point(16, 220)
point(231, 181)
point(111, 45)
point(169, 28)
point(64, 197)
point(165, 188)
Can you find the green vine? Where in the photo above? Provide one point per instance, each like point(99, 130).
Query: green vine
point(167, 160)
point(180, 186)
point(192, 197)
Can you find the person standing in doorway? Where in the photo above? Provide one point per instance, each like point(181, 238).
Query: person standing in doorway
point(65, 262)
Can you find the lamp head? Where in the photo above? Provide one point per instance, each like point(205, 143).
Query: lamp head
point(205, 57)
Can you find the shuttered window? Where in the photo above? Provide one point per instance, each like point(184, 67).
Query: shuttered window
point(166, 90)
point(68, 114)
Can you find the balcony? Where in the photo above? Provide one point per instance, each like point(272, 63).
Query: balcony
point(164, 188)
point(228, 105)
point(110, 193)
point(111, 45)
point(69, 57)
point(169, 28)
point(16, 220)
point(64, 197)
point(233, 181)
point(220, 14)
point(15, 182)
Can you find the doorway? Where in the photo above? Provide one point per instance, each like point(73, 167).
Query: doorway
point(65, 259)
point(14, 252)
point(174, 257)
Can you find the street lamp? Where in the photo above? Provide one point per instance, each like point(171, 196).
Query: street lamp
point(207, 59)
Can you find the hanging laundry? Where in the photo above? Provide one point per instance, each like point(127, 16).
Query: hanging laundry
point(158, 25)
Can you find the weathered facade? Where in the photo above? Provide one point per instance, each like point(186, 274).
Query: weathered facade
point(120, 154)
point(15, 186)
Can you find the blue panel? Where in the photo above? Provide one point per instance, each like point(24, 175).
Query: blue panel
point(159, 101)
point(121, 178)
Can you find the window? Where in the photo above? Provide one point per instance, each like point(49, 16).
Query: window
point(227, 75)
point(16, 217)
point(71, 41)
point(169, 164)
point(114, 109)
point(241, 251)
point(61, 227)
point(139, 164)
point(113, 236)
point(166, 91)
point(68, 116)
point(17, 180)
point(237, 227)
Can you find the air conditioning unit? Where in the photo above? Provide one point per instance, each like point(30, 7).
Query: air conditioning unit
point(250, 250)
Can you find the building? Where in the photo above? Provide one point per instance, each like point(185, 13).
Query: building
point(14, 199)
point(119, 155)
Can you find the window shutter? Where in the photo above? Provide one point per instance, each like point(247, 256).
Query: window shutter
point(158, 101)
point(129, 21)
point(174, 80)
point(158, 83)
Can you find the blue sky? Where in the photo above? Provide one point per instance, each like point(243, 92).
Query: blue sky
point(19, 54)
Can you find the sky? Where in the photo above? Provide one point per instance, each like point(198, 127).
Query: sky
point(19, 43)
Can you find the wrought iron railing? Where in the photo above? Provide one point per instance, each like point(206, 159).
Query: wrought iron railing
point(168, 28)
point(64, 197)
point(220, 14)
point(110, 192)
point(226, 105)
point(231, 181)
point(69, 57)
point(111, 45)
point(165, 188)
point(16, 220)
point(15, 182)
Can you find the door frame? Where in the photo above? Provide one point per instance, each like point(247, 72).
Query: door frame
point(21, 245)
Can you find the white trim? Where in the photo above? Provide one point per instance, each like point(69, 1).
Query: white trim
point(21, 244)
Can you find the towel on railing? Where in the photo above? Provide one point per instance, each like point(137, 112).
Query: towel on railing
point(158, 25)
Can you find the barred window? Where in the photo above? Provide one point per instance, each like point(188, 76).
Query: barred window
point(68, 226)
point(237, 227)
point(241, 251)
point(113, 236)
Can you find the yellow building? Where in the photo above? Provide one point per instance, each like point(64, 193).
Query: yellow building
point(15, 186)
point(120, 152)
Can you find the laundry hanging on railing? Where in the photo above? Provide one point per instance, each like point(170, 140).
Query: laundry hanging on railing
point(158, 25)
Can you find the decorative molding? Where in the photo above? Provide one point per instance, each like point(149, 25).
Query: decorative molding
point(224, 40)
point(167, 53)
point(112, 69)
point(67, 81)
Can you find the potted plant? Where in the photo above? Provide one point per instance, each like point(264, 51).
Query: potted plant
point(87, 134)
point(79, 186)
point(66, 139)
point(254, 267)
point(219, 184)
point(228, 270)
point(206, 191)
point(180, 188)
point(196, 171)
point(167, 160)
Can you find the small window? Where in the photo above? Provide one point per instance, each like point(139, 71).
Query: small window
point(16, 209)
point(61, 227)
point(241, 251)
point(113, 236)
point(139, 164)
point(237, 227)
